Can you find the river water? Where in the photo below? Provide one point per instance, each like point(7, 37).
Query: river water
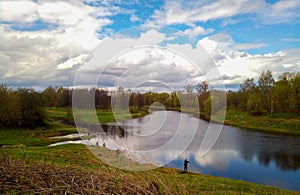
point(166, 138)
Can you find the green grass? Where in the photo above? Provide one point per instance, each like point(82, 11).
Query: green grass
point(57, 112)
point(34, 137)
point(288, 124)
point(31, 146)
point(94, 116)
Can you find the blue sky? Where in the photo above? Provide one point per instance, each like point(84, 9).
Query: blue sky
point(46, 42)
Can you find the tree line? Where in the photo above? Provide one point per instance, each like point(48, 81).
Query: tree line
point(26, 107)
point(268, 95)
point(21, 108)
point(256, 97)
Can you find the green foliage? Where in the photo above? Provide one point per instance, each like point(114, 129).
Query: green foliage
point(21, 108)
point(207, 105)
point(9, 107)
point(117, 181)
point(216, 102)
point(49, 97)
point(31, 108)
point(254, 104)
point(248, 86)
point(212, 105)
point(286, 93)
point(136, 100)
point(269, 96)
point(266, 84)
point(11, 192)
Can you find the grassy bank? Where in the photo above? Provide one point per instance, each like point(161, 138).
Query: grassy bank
point(28, 166)
point(101, 116)
point(286, 124)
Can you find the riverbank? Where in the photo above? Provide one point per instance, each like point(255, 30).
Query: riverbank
point(29, 166)
point(283, 124)
point(66, 115)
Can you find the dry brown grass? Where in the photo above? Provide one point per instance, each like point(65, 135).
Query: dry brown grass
point(23, 177)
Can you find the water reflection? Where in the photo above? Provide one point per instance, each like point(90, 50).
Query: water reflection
point(266, 149)
point(217, 159)
point(240, 154)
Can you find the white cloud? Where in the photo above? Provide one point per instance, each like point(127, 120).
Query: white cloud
point(246, 46)
point(284, 11)
point(279, 62)
point(18, 11)
point(46, 56)
point(73, 61)
point(198, 30)
point(60, 12)
point(191, 12)
point(183, 12)
point(209, 45)
point(134, 61)
point(290, 39)
point(134, 18)
point(237, 65)
point(229, 21)
point(218, 159)
point(152, 37)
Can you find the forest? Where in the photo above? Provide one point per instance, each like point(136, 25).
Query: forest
point(24, 107)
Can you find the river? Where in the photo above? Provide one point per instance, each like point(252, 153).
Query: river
point(166, 138)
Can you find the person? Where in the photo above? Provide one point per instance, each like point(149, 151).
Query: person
point(117, 152)
point(185, 164)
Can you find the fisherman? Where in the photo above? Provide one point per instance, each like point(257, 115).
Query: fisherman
point(185, 165)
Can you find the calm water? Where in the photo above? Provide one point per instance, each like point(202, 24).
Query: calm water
point(167, 138)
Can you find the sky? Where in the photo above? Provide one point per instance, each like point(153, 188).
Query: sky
point(146, 45)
